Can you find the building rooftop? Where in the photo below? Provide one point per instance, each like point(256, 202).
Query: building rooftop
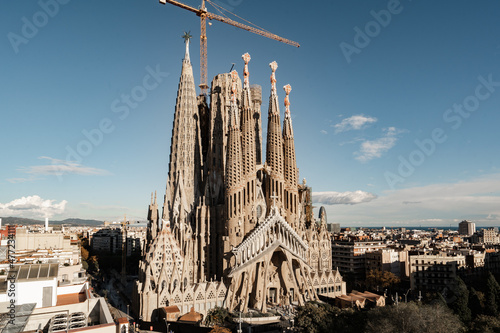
point(23, 313)
point(192, 317)
point(71, 298)
point(35, 272)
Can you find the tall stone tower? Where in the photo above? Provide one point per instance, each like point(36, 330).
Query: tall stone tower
point(184, 166)
point(291, 192)
point(274, 147)
point(236, 231)
point(234, 174)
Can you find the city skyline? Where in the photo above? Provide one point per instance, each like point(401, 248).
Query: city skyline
point(393, 105)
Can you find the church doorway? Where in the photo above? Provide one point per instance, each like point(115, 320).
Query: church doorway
point(272, 295)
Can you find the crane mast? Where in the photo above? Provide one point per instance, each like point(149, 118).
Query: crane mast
point(204, 14)
point(203, 49)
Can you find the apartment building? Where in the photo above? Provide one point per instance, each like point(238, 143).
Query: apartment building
point(349, 255)
point(388, 259)
point(434, 272)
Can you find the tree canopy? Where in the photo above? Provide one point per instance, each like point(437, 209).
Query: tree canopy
point(381, 279)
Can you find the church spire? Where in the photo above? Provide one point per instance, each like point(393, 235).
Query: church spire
point(290, 164)
point(274, 67)
point(183, 145)
point(274, 147)
point(248, 134)
point(247, 124)
point(234, 119)
point(233, 181)
point(187, 36)
point(246, 58)
point(287, 123)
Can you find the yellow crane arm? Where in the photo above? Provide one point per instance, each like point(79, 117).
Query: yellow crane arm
point(204, 14)
point(184, 6)
point(249, 28)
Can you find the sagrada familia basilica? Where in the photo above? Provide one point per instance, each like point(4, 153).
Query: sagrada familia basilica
point(236, 230)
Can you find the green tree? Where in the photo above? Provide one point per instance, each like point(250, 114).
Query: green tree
point(85, 254)
point(460, 304)
point(381, 279)
point(219, 329)
point(216, 316)
point(476, 305)
point(492, 295)
point(325, 318)
point(485, 324)
point(311, 318)
point(413, 318)
point(345, 321)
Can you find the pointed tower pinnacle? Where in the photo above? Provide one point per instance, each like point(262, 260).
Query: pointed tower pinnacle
point(247, 126)
point(183, 147)
point(248, 133)
point(187, 36)
point(233, 180)
point(274, 146)
point(274, 66)
point(234, 121)
point(287, 126)
point(290, 165)
point(246, 74)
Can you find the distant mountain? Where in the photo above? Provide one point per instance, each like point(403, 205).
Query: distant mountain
point(70, 221)
point(76, 221)
point(20, 221)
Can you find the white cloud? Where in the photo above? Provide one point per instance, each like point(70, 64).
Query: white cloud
point(323, 132)
point(61, 167)
point(355, 122)
point(432, 220)
point(32, 207)
point(371, 149)
point(343, 198)
point(476, 200)
point(21, 180)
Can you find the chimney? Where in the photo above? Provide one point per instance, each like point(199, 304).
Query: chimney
point(46, 224)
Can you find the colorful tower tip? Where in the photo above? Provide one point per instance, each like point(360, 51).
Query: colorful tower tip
point(246, 58)
point(187, 36)
point(287, 89)
point(274, 66)
point(234, 77)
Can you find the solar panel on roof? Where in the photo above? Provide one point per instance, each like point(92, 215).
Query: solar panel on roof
point(23, 272)
point(53, 270)
point(44, 271)
point(34, 269)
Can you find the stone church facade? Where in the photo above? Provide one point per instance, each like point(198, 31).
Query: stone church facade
point(237, 228)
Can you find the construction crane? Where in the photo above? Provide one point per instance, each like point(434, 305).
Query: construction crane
point(124, 224)
point(204, 15)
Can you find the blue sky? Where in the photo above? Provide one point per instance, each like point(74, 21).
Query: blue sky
point(395, 105)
